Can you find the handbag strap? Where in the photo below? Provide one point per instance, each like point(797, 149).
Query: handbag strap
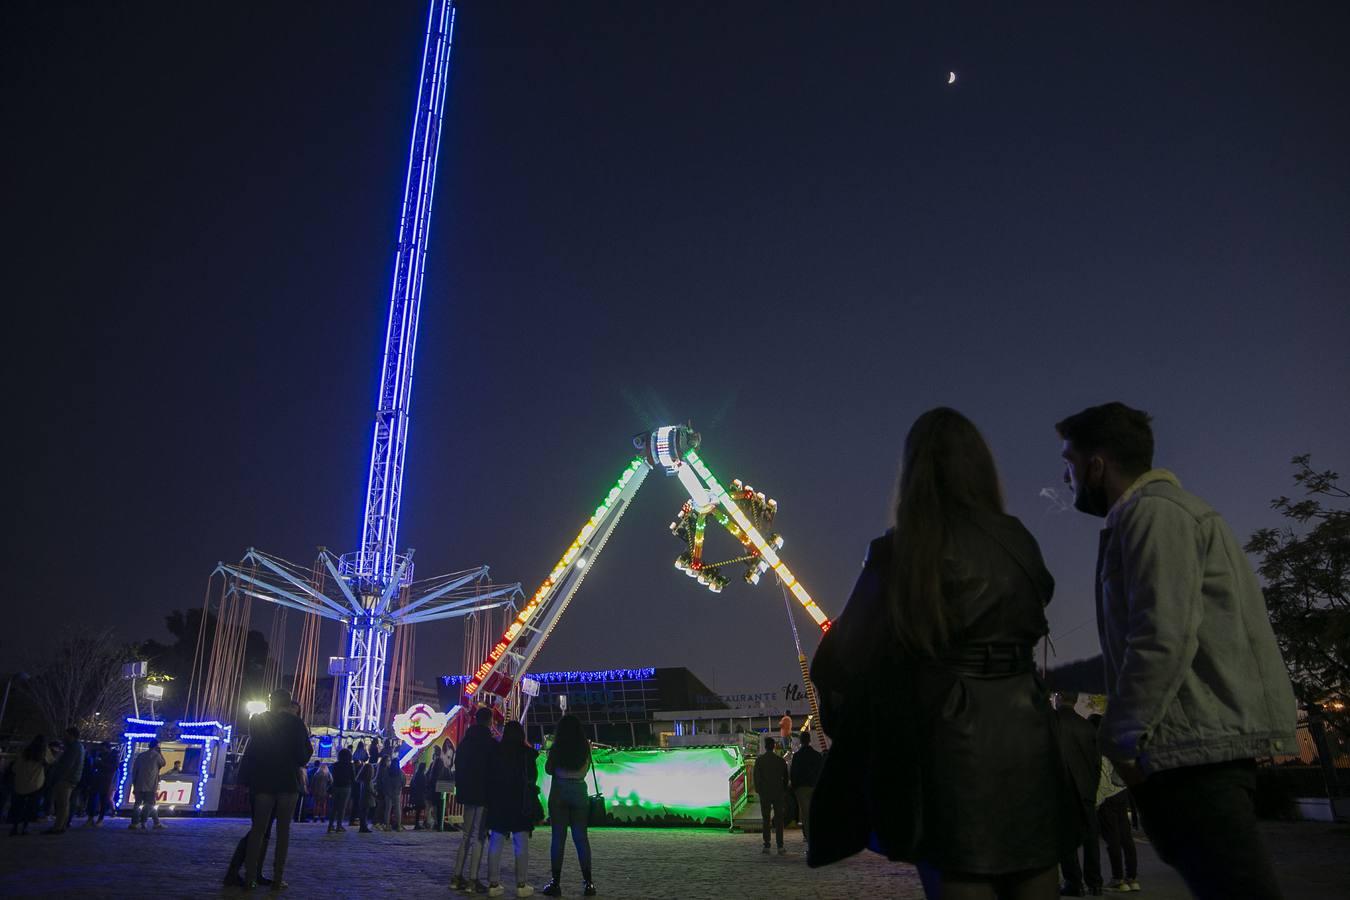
point(590, 753)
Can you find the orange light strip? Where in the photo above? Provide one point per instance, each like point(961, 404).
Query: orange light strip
point(514, 630)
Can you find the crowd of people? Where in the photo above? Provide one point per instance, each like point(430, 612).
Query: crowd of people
point(961, 765)
point(494, 780)
point(63, 780)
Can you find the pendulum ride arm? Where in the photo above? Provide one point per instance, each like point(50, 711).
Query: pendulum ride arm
point(513, 653)
point(706, 491)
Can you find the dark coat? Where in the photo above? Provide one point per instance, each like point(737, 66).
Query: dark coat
point(69, 766)
point(344, 773)
point(278, 745)
point(943, 760)
point(511, 772)
point(806, 766)
point(771, 776)
point(418, 788)
point(471, 765)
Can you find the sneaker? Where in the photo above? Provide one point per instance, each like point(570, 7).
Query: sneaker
point(279, 886)
point(495, 890)
point(589, 890)
point(1117, 886)
point(457, 883)
point(158, 824)
point(765, 851)
point(552, 889)
point(524, 890)
point(1134, 884)
point(132, 826)
point(782, 851)
point(478, 887)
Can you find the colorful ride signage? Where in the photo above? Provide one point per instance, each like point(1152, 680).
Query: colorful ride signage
point(420, 725)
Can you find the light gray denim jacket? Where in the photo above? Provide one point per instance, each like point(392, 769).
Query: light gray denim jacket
point(1193, 672)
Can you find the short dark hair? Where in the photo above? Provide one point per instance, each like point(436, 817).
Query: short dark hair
point(768, 743)
point(1068, 698)
point(1118, 431)
point(805, 737)
point(483, 716)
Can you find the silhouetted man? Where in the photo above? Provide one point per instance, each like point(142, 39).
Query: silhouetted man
point(771, 783)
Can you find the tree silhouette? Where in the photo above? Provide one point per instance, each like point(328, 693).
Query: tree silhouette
point(1306, 570)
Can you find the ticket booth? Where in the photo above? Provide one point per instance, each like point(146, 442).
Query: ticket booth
point(194, 763)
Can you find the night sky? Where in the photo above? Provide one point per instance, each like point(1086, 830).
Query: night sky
point(774, 219)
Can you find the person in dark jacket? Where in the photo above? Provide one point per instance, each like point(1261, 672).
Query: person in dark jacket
point(771, 784)
point(440, 771)
point(64, 776)
point(471, 768)
point(278, 746)
point(391, 793)
point(104, 760)
point(943, 747)
point(417, 795)
point(803, 775)
point(344, 776)
point(512, 805)
point(1083, 758)
point(365, 787)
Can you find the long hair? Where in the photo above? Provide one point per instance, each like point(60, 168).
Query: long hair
point(947, 470)
point(513, 735)
point(570, 748)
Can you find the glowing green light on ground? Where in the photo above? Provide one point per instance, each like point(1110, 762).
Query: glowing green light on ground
point(663, 787)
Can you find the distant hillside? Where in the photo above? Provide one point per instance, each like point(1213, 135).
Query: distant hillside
point(1086, 676)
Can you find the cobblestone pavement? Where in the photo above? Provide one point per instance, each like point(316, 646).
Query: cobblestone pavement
point(188, 857)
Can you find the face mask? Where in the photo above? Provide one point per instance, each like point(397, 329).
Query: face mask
point(1091, 500)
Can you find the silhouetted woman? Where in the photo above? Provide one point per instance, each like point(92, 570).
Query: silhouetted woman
point(569, 761)
point(344, 776)
point(943, 733)
point(512, 807)
point(29, 772)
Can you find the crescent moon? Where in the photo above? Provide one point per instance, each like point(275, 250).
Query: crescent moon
point(951, 78)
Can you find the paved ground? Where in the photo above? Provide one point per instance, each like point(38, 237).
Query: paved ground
point(188, 857)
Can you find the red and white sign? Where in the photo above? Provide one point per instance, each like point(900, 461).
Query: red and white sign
point(175, 793)
point(420, 725)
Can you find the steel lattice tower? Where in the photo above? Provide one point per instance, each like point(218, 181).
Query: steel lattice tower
point(372, 578)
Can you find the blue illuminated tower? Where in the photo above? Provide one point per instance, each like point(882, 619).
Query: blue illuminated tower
point(373, 577)
point(376, 565)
